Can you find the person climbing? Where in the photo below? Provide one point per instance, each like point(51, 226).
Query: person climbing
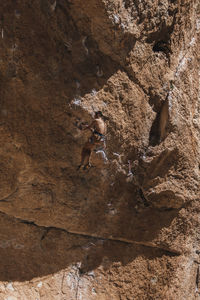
point(98, 128)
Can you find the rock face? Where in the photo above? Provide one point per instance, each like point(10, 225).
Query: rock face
point(100, 234)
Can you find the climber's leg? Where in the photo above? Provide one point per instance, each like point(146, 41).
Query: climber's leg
point(85, 155)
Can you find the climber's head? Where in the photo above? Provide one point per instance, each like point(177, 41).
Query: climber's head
point(98, 114)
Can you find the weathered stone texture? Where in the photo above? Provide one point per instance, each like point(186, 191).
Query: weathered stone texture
point(99, 234)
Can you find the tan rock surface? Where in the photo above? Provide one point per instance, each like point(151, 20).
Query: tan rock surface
point(99, 234)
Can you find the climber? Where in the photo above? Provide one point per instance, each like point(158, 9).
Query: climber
point(98, 128)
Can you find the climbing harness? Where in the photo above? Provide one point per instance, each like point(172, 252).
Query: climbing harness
point(102, 136)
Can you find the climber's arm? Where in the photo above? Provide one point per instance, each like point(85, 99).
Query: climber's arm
point(89, 127)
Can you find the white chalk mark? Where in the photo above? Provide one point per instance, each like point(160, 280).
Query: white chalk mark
point(39, 284)
point(181, 64)
point(78, 84)
point(198, 25)
point(123, 26)
point(116, 19)
point(192, 42)
point(129, 174)
point(84, 45)
point(113, 211)
point(93, 92)
point(183, 59)
point(53, 6)
point(116, 154)
point(144, 157)
point(99, 71)
point(76, 101)
point(10, 287)
point(170, 101)
point(68, 44)
point(91, 273)
point(129, 169)
point(103, 154)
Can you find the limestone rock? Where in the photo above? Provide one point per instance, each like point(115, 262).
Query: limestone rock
point(99, 234)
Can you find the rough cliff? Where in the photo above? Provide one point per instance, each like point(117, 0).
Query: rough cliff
point(100, 234)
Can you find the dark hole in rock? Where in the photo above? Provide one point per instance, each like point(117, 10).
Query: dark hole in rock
point(162, 46)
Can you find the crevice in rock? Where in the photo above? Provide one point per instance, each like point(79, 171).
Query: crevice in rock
point(154, 100)
point(45, 234)
point(161, 39)
point(144, 199)
point(5, 199)
point(159, 127)
point(165, 31)
point(167, 251)
point(78, 280)
point(197, 280)
point(26, 222)
point(154, 135)
point(162, 46)
point(132, 76)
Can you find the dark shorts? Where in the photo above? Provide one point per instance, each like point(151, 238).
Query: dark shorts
point(96, 139)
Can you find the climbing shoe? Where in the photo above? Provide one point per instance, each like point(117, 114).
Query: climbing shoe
point(79, 167)
point(87, 167)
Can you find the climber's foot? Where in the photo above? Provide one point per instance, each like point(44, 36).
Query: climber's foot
point(129, 174)
point(79, 167)
point(87, 167)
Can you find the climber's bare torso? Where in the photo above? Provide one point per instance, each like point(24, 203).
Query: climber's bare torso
point(99, 126)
